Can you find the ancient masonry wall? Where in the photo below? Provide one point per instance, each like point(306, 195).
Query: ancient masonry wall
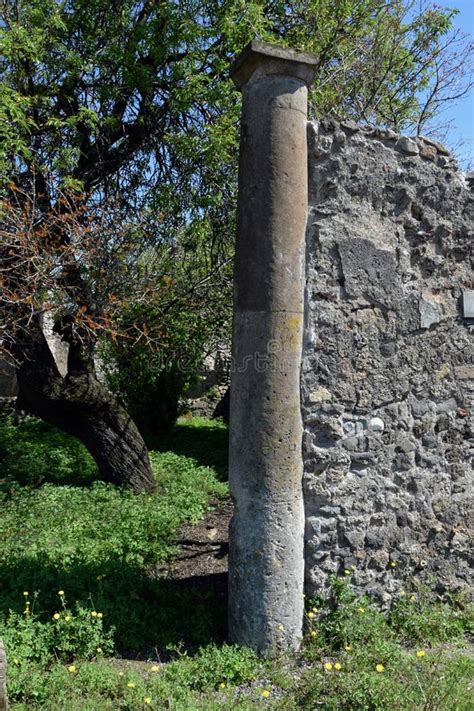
point(387, 367)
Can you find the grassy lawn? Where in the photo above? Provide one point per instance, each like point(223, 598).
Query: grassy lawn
point(89, 625)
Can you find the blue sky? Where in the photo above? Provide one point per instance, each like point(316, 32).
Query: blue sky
point(461, 113)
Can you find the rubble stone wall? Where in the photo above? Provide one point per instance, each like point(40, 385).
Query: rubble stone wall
point(387, 367)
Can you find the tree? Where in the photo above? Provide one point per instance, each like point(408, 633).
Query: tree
point(127, 105)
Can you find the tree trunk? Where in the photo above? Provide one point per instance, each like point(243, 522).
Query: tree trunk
point(81, 406)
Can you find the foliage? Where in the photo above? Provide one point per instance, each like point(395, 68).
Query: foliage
point(34, 452)
point(101, 543)
point(367, 660)
point(91, 554)
point(213, 666)
point(205, 441)
point(133, 112)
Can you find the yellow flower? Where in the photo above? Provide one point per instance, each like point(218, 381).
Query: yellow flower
point(56, 616)
point(412, 598)
point(315, 609)
point(68, 618)
point(265, 693)
point(61, 593)
point(147, 700)
point(313, 633)
point(100, 615)
point(222, 685)
point(131, 685)
point(120, 673)
point(420, 653)
point(361, 610)
point(15, 660)
point(393, 564)
point(353, 567)
point(71, 669)
point(402, 593)
point(99, 650)
point(27, 603)
point(155, 668)
point(328, 666)
point(379, 668)
point(347, 572)
point(348, 647)
point(281, 628)
point(338, 666)
point(310, 615)
point(26, 593)
point(93, 613)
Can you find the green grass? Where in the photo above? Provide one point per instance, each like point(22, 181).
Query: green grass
point(101, 544)
point(121, 637)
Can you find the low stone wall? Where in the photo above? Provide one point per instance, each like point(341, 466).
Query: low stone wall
point(387, 368)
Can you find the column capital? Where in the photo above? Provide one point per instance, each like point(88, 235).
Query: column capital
point(266, 58)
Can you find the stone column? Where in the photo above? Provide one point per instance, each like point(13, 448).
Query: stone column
point(266, 566)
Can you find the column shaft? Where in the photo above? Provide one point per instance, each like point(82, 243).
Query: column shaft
point(266, 563)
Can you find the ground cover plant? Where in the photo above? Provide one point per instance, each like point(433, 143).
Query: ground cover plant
point(89, 623)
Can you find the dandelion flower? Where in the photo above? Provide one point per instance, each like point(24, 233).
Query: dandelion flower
point(93, 613)
point(15, 660)
point(155, 668)
point(68, 618)
point(310, 615)
point(131, 685)
point(26, 593)
point(361, 610)
point(338, 666)
point(222, 685)
point(100, 615)
point(412, 598)
point(56, 616)
point(314, 609)
point(348, 647)
point(71, 668)
point(420, 653)
point(27, 603)
point(347, 572)
point(353, 567)
point(61, 593)
point(281, 628)
point(99, 650)
point(328, 666)
point(393, 564)
point(380, 668)
point(402, 593)
point(147, 700)
point(313, 633)
point(265, 693)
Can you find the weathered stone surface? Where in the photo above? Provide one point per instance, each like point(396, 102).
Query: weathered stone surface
point(439, 146)
point(428, 152)
point(407, 145)
point(389, 240)
point(266, 542)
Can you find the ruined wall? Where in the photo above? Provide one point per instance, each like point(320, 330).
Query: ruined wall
point(387, 370)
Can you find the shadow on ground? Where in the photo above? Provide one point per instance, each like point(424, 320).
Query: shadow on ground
point(207, 445)
point(148, 614)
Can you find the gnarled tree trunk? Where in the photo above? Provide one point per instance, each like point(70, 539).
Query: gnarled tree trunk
point(83, 407)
